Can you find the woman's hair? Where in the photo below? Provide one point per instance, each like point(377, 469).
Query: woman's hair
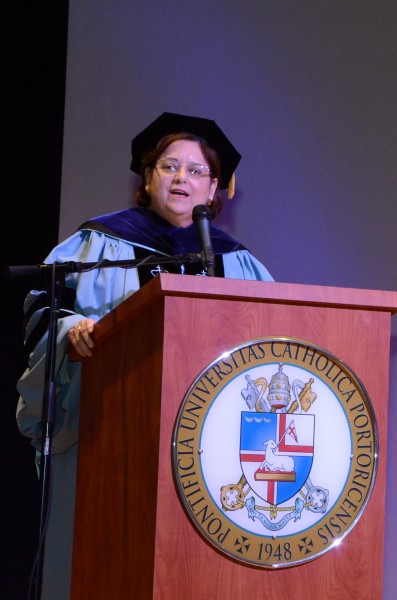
point(150, 159)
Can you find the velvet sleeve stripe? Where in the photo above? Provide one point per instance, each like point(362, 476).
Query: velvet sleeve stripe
point(38, 299)
point(36, 330)
point(37, 315)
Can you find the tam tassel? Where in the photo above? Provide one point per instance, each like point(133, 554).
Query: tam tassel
point(231, 187)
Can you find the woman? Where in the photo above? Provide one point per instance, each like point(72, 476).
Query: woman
point(184, 162)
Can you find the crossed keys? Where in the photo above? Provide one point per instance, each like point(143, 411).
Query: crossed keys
point(316, 497)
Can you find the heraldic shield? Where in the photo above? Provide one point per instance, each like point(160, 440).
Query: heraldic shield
point(276, 453)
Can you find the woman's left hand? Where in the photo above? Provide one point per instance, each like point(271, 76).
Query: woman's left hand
point(80, 336)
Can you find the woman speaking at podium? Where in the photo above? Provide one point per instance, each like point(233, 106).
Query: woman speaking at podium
point(186, 163)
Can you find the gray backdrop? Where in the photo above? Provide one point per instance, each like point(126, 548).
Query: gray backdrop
point(306, 90)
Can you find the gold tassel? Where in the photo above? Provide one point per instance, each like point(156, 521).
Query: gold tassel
point(231, 187)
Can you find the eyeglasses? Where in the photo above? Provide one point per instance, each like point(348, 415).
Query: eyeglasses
point(170, 166)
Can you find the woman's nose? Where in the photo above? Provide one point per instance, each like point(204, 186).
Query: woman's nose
point(181, 174)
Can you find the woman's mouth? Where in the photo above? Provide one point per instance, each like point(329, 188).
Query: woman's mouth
point(179, 193)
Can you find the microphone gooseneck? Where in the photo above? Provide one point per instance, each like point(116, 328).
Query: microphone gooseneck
point(202, 219)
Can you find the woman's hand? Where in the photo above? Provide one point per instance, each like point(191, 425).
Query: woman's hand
point(80, 336)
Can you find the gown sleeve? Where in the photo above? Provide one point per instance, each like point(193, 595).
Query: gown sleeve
point(243, 265)
point(97, 292)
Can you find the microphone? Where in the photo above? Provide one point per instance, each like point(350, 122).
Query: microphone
point(202, 219)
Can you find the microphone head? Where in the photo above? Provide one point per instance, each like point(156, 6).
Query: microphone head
point(200, 212)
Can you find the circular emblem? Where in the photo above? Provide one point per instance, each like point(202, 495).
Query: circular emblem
point(274, 452)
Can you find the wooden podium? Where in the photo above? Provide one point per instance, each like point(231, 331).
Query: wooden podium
point(132, 538)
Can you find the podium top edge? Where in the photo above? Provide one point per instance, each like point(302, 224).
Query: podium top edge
point(256, 291)
point(195, 287)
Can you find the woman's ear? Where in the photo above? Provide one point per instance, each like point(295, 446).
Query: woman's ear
point(148, 178)
point(213, 188)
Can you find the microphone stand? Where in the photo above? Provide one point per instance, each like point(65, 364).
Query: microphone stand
point(57, 273)
point(80, 267)
point(48, 420)
point(202, 219)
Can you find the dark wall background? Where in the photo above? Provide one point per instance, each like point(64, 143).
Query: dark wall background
point(34, 40)
point(306, 90)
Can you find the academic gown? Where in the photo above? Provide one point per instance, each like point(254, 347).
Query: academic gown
point(124, 235)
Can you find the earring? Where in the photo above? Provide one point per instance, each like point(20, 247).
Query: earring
point(209, 202)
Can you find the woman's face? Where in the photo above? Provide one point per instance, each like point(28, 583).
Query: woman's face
point(173, 195)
